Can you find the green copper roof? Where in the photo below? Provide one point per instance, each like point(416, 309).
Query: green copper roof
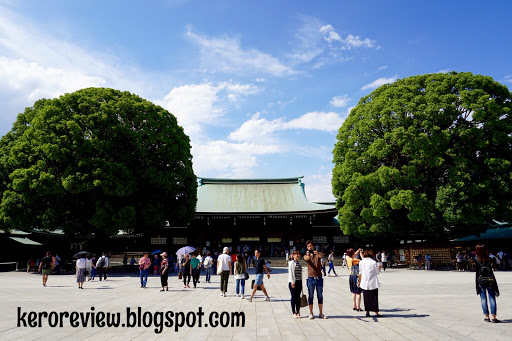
point(25, 241)
point(498, 233)
point(255, 196)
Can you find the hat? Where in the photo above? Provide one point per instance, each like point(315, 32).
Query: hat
point(226, 249)
point(164, 254)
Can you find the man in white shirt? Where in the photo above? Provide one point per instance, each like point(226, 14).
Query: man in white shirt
point(224, 266)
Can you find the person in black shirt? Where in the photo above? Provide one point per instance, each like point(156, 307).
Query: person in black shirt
point(259, 268)
point(186, 271)
point(46, 266)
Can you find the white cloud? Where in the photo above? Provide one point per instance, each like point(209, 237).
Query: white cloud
point(320, 44)
point(34, 81)
point(330, 35)
point(378, 82)
point(34, 65)
point(227, 55)
point(230, 160)
point(317, 120)
point(443, 71)
point(340, 101)
point(383, 67)
point(318, 187)
point(195, 105)
point(262, 130)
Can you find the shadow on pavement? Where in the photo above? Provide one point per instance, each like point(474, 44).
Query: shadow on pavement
point(364, 318)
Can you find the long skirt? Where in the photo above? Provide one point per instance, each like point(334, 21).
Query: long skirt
point(80, 276)
point(371, 300)
point(352, 280)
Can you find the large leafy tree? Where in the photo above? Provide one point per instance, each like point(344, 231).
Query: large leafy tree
point(426, 154)
point(96, 160)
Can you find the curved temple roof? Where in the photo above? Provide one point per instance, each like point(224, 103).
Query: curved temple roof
point(283, 195)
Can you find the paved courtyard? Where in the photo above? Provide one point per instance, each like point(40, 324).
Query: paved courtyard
point(417, 305)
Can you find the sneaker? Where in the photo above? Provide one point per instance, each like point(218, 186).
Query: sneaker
point(322, 316)
point(487, 319)
point(496, 321)
point(249, 299)
point(242, 296)
point(311, 317)
point(188, 286)
point(267, 299)
point(221, 293)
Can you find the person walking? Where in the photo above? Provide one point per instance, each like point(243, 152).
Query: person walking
point(45, 266)
point(187, 273)
point(460, 261)
point(486, 283)
point(427, 261)
point(322, 263)
point(353, 278)
point(144, 264)
point(384, 258)
point(331, 264)
point(164, 272)
point(224, 268)
point(88, 269)
point(295, 282)
point(315, 280)
point(208, 267)
point(57, 264)
point(259, 267)
point(156, 265)
point(93, 268)
point(370, 283)
point(240, 274)
point(233, 260)
point(195, 269)
point(102, 266)
point(81, 268)
point(344, 260)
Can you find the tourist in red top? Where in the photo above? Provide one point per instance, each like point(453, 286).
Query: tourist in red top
point(233, 260)
point(144, 264)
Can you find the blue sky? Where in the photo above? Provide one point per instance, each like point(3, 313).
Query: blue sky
point(260, 87)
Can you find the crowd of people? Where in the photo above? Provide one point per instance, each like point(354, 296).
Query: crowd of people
point(364, 266)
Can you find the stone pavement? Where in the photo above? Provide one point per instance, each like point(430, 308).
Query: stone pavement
point(418, 305)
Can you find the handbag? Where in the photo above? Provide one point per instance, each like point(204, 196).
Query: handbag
point(246, 276)
point(303, 300)
point(180, 275)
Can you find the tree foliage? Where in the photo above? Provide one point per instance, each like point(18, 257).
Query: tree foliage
point(429, 153)
point(96, 160)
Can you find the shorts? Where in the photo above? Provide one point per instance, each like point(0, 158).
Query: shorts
point(46, 272)
point(259, 279)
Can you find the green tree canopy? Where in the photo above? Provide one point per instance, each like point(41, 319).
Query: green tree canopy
point(96, 160)
point(428, 154)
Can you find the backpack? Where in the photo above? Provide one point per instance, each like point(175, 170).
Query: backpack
point(486, 278)
point(101, 262)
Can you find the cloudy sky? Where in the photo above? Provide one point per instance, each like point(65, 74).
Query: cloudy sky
point(261, 87)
